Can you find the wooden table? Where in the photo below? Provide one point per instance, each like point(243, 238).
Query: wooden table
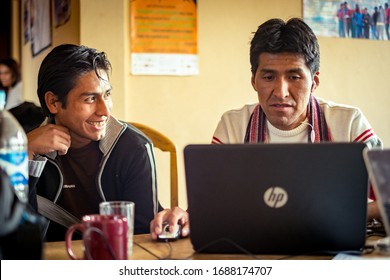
point(145, 248)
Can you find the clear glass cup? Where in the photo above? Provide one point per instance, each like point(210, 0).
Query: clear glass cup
point(124, 208)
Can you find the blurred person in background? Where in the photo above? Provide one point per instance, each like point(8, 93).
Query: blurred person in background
point(27, 113)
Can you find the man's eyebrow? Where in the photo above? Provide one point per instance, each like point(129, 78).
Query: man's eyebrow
point(294, 70)
point(89, 93)
point(95, 93)
point(266, 70)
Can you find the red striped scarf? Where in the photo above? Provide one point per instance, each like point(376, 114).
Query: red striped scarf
point(256, 131)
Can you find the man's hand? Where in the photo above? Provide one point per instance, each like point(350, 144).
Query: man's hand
point(174, 217)
point(373, 211)
point(48, 138)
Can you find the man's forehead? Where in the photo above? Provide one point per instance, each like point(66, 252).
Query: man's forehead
point(93, 82)
point(282, 60)
point(291, 55)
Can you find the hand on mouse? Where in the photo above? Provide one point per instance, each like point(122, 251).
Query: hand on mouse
point(174, 217)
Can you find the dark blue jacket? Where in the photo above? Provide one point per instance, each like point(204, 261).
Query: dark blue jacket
point(127, 172)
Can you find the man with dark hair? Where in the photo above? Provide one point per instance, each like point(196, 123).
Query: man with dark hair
point(82, 155)
point(285, 61)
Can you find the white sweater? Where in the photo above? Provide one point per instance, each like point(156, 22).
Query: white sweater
point(346, 124)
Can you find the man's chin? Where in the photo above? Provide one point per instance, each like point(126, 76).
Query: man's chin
point(100, 137)
point(97, 137)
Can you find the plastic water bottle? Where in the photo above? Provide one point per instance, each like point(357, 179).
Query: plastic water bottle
point(13, 151)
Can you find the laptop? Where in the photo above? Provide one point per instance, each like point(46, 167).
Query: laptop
point(378, 166)
point(277, 198)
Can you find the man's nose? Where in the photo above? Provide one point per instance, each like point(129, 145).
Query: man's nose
point(103, 106)
point(281, 88)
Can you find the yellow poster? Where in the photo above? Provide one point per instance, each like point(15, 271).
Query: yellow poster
point(164, 37)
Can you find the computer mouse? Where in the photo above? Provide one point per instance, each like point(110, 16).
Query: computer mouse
point(166, 235)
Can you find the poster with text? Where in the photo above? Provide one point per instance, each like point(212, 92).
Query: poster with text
point(163, 37)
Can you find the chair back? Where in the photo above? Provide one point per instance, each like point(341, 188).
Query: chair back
point(165, 144)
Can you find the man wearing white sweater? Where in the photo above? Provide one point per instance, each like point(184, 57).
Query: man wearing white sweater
point(285, 60)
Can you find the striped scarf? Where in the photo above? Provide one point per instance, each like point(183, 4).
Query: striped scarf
point(256, 131)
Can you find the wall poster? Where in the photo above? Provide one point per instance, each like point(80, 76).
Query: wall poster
point(163, 37)
point(62, 10)
point(40, 16)
point(364, 19)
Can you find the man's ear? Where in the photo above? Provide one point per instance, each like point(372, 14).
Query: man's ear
point(52, 102)
point(316, 82)
point(253, 82)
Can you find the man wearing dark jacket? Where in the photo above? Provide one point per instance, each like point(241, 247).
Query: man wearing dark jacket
point(81, 155)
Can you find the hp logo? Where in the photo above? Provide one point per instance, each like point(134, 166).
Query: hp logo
point(275, 197)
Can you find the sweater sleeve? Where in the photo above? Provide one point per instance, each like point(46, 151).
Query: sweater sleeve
point(142, 188)
point(362, 131)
